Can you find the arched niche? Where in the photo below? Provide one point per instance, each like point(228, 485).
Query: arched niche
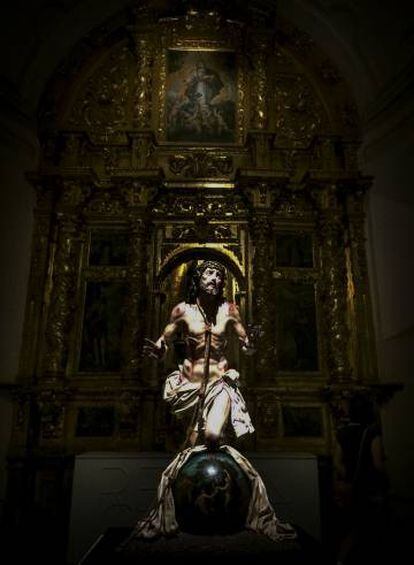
point(172, 281)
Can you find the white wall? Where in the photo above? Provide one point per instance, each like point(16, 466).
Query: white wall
point(389, 156)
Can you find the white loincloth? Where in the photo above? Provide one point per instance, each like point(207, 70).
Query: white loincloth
point(183, 394)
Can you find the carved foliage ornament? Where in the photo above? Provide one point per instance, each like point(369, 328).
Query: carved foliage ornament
point(201, 165)
point(333, 292)
point(62, 303)
point(213, 232)
point(299, 114)
point(268, 411)
point(51, 404)
point(103, 103)
point(262, 238)
point(202, 206)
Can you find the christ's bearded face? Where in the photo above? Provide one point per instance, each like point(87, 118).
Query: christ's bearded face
point(211, 281)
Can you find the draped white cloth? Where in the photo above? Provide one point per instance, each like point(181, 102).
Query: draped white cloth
point(183, 394)
point(261, 517)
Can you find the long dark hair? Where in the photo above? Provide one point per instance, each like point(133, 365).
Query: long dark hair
point(194, 274)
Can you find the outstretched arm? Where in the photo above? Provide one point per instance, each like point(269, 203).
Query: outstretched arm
point(240, 330)
point(158, 349)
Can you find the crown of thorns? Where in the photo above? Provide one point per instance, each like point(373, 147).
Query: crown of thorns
point(211, 265)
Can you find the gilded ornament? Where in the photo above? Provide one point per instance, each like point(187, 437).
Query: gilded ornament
point(201, 165)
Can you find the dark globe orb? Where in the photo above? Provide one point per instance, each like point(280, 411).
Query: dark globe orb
point(211, 494)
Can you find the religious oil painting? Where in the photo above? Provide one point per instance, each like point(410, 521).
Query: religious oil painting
point(108, 248)
point(201, 96)
point(95, 421)
point(102, 327)
point(294, 250)
point(296, 327)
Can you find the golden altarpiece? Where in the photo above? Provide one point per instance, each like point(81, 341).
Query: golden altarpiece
point(142, 173)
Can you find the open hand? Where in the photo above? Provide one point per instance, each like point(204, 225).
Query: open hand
point(153, 349)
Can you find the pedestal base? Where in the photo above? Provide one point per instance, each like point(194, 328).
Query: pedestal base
point(184, 548)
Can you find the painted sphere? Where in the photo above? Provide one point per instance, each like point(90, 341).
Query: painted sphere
point(211, 494)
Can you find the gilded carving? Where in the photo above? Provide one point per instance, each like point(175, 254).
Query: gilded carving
point(142, 150)
point(37, 281)
point(295, 275)
point(98, 274)
point(111, 158)
point(292, 203)
point(103, 104)
point(72, 148)
point(105, 203)
point(136, 294)
point(201, 165)
point(262, 239)
point(202, 231)
point(261, 144)
point(21, 398)
point(162, 81)
point(51, 405)
point(73, 194)
point(104, 153)
point(129, 409)
point(259, 79)
point(268, 414)
point(299, 114)
point(136, 193)
point(202, 32)
point(358, 290)
point(210, 206)
point(63, 297)
point(333, 290)
point(143, 83)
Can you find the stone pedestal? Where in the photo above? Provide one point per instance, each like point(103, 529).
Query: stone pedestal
point(113, 490)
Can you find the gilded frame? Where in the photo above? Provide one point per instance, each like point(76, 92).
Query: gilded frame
point(222, 108)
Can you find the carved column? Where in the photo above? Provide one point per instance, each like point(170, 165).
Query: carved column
point(51, 404)
point(259, 55)
point(64, 267)
point(143, 82)
point(362, 325)
point(38, 276)
point(263, 314)
point(136, 295)
point(260, 139)
point(333, 286)
point(62, 297)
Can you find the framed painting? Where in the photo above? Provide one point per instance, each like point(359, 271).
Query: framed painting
point(108, 248)
point(95, 421)
point(294, 250)
point(200, 97)
point(101, 341)
point(297, 333)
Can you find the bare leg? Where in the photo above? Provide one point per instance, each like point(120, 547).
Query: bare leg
point(217, 418)
point(193, 438)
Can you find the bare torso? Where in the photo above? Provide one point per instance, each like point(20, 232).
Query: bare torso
point(195, 329)
point(198, 329)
